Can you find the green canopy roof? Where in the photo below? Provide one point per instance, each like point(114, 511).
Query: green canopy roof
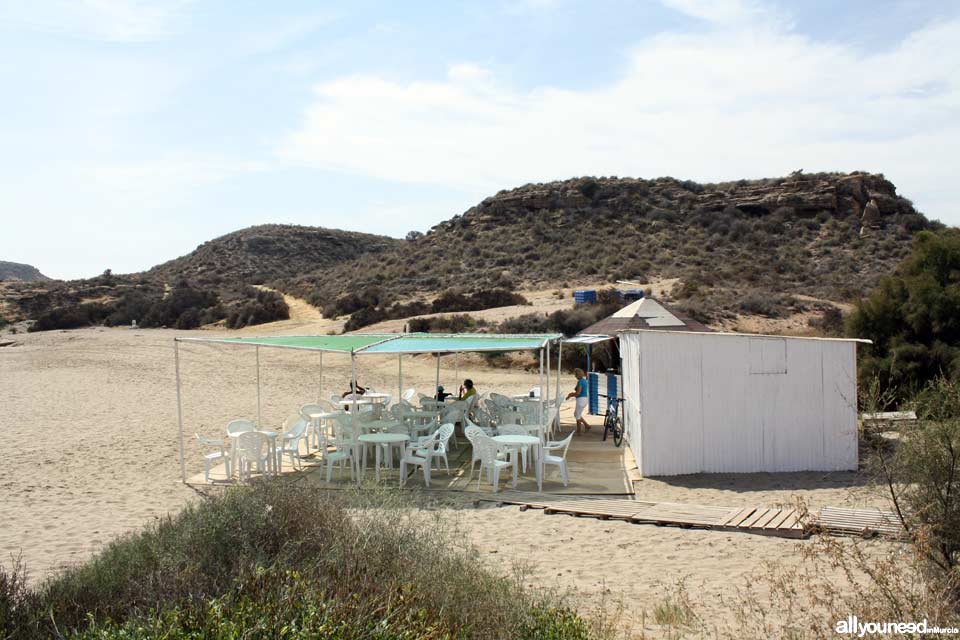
point(396, 343)
point(462, 342)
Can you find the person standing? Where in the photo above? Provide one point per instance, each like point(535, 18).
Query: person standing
point(580, 393)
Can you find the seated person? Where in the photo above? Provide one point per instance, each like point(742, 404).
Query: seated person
point(359, 390)
point(467, 390)
point(441, 395)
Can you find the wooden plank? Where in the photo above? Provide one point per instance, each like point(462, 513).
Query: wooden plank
point(759, 513)
point(766, 520)
point(734, 516)
point(777, 522)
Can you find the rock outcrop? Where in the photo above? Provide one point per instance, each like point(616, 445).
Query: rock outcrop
point(20, 272)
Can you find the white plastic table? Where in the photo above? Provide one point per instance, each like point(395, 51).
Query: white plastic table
point(377, 439)
point(318, 419)
point(515, 443)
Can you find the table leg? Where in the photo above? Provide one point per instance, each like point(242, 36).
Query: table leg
point(538, 465)
point(377, 462)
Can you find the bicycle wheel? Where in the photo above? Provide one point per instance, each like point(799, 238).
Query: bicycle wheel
point(607, 425)
point(618, 433)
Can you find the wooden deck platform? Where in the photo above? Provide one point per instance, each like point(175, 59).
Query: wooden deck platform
point(784, 522)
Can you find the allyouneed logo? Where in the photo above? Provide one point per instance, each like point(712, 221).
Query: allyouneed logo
point(853, 626)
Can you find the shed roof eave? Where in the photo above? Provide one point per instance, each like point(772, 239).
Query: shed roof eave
point(746, 335)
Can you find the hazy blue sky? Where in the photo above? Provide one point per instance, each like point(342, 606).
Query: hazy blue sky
point(133, 130)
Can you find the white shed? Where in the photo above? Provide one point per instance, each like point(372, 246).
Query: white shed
point(738, 403)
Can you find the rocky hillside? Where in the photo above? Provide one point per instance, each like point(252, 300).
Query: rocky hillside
point(269, 252)
point(755, 248)
point(219, 271)
point(20, 272)
point(737, 247)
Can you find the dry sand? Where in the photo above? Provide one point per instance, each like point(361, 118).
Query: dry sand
point(89, 418)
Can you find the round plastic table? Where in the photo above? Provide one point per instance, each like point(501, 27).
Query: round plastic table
point(377, 439)
point(516, 443)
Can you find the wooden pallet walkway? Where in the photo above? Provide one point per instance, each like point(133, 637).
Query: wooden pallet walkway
point(784, 522)
point(859, 522)
point(762, 520)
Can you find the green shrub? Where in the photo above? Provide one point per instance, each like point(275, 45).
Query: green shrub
point(279, 560)
point(913, 318)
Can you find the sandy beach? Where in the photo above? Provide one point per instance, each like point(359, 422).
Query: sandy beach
point(91, 416)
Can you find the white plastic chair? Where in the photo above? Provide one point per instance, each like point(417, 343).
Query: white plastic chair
point(295, 431)
point(214, 456)
point(472, 432)
point(420, 454)
point(235, 427)
point(409, 394)
point(558, 460)
point(491, 462)
point(252, 449)
point(442, 435)
point(344, 443)
point(315, 432)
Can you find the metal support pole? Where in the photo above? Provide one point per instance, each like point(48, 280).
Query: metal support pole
point(456, 364)
point(559, 395)
point(589, 352)
point(353, 379)
point(438, 375)
point(320, 387)
point(176, 365)
point(541, 386)
point(354, 419)
point(259, 419)
point(559, 366)
point(547, 394)
point(399, 377)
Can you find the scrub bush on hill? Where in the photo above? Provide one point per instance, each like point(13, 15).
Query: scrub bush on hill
point(371, 306)
point(183, 307)
point(277, 560)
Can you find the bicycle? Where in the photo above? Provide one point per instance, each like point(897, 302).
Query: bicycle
point(612, 423)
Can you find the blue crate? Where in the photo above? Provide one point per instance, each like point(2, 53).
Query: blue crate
point(593, 391)
point(585, 296)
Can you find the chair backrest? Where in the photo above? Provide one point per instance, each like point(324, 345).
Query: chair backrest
point(509, 417)
point(444, 433)
point(471, 433)
point(409, 394)
point(312, 407)
point(294, 426)
point(252, 445)
point(240, 426)
point(208, 442)
point(513, 430)
point(487, 448)
point(335, 400)
point(564, 444)
point(343, 430)
point(501, 400)
point(397, 411)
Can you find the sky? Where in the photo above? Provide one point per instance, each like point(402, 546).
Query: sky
point(132, 131)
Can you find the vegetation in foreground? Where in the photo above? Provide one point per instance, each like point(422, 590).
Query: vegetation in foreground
point(913, 319)
point(282, 561)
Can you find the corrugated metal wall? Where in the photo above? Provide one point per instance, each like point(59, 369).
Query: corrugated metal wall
point(732, 403)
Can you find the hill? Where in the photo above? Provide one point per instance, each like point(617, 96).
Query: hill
point(20, 272)
point(737, 247)
point(766, 248)
point(209, 284)
point(267, 252)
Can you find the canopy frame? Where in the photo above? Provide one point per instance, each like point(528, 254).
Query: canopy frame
point(508, 343)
